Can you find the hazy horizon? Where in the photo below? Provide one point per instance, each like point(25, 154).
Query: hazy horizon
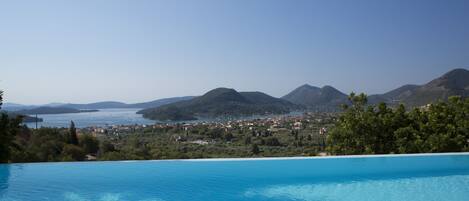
point(355, 91)
point(128, 51)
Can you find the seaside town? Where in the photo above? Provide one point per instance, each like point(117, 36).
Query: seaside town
point(275, 124)
point(303, 134)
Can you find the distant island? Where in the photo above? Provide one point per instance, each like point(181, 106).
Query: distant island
point(52, 110)
point(221, 102)
point(116, 104)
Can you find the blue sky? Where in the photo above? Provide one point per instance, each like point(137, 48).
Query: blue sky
point(85, 51)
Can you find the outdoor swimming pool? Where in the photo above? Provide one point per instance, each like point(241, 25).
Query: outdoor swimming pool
point(423, 177)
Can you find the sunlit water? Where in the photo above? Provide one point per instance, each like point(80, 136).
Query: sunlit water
point(403, 178)
point(126, 116)
point(103, 117)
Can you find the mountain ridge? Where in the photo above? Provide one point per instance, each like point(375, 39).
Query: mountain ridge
point(326, 98)
point(453, 83)
point(220, 102)
point(98, 105)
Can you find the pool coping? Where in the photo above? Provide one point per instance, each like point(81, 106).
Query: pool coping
point(331, 157)
point(260, 158)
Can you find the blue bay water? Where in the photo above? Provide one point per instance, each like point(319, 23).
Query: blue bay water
point(103, 117)
point(401, 178)
point(123, 116)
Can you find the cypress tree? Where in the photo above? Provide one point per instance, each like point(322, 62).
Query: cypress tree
point(73, 134)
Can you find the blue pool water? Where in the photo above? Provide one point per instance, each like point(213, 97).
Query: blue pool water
point(381, 178)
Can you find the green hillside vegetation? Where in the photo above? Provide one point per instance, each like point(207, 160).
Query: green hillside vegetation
point(221, 102)
point(52, 144)
point(368, 129)
point(9, 129)
point(61, 144)
point(360, 129)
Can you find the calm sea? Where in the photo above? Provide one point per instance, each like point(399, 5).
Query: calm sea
point(127, 116)
point(104, 117)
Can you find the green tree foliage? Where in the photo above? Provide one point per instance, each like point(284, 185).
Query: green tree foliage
point(368, 129)
point(89, 143)
point(255, 149)
point(105, 147)
point(51, 144)
point(168, 142)
point(9, 127)
point(247, 140)
point(46, 144)
point(272, 141)
point(73, 134)
point(228, 136)
point(72, 152)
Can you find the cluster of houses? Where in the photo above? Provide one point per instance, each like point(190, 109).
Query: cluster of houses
point(272, 124)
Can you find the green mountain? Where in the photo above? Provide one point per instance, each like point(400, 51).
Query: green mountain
point(159, 102)
point(453, 83)
point(326, 98)
point(221, 102)
point(393, 96)
point(52, 110)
